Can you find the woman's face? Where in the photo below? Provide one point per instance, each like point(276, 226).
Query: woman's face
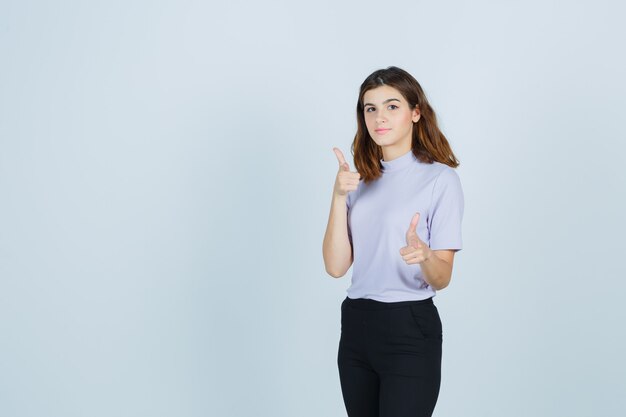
point(388, 118)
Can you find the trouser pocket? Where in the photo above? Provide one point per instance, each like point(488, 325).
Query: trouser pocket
point(426, 318)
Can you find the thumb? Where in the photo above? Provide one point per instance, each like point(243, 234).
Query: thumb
point(340, 158)
point(414, 242)
point(411, 235)
point(414, 221)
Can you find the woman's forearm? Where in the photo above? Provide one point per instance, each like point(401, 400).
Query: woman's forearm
point(337, 250)
point(436, 271)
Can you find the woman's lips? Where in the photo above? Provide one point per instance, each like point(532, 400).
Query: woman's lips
point(382, 131)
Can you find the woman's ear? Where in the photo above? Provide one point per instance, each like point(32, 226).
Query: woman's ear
point(416, 113)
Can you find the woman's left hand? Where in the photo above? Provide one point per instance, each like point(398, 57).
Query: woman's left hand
point(416, 250)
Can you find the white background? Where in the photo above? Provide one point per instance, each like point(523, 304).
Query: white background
point(166, 170)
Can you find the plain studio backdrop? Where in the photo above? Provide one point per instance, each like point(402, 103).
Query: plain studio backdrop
point(166, 171)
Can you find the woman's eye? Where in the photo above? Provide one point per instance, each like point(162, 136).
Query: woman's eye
point(371, 108)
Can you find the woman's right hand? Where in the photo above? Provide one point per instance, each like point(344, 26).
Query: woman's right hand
point(346, 181)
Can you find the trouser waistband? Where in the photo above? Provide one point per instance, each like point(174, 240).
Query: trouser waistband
point(369, 304)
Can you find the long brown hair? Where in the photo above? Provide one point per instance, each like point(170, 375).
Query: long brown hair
point(428, 143)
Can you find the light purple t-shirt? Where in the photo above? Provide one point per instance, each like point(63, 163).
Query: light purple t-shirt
point(379, 215)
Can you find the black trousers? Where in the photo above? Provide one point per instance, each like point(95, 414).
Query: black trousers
point(389, 357)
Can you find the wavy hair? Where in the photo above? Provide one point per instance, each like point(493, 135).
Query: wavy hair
point(428, 143)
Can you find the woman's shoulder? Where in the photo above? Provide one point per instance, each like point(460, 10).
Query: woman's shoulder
point(439, 171)
point(442, 176)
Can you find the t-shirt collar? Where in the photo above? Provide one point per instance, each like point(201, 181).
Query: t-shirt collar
point(399, 163)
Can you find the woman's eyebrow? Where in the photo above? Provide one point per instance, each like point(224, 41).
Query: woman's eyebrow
point(386, 101)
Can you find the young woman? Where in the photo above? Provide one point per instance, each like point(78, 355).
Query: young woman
point(398, 218)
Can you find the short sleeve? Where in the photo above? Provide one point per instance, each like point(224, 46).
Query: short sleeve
point(446, 212)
